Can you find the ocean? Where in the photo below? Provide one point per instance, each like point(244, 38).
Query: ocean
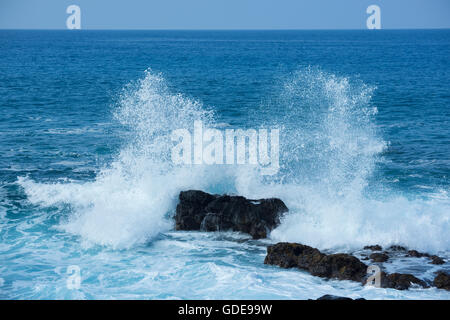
point(87, 185)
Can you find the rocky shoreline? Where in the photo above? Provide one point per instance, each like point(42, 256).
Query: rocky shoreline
point(198, 210)
point(339, 266)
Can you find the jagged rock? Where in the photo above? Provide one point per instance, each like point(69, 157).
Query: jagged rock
point(417, 254)
point(198, 210)
point(400, 281)
point(442, 280)
point(396, 248)
point(339, 266)
point(331, 297)
point(379, 257)
point(190, 210)
point(437, 260)
point(373, 248)
point(434, 259)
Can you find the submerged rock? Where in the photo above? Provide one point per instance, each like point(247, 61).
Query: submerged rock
point(198, 210)
point(437, 260)
point(434, 259)
point(338, 266)
point(442, 281)
point(373, 248)
point(400, 281)
point(396, 248)
point(417, 254)
point(331, 297)
point(379, 257)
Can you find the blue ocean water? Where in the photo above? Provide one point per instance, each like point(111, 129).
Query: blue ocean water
point(86, 180)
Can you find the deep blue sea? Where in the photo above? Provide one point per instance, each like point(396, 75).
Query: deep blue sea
point(86, 180)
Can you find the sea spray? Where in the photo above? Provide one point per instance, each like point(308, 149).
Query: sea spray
point(330, 148)
point(128, 202)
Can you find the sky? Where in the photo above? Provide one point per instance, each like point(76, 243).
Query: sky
point(224, 14)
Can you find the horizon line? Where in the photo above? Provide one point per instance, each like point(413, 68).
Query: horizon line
point(219, 29)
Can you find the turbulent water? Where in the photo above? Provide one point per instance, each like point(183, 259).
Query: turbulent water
point(87, 178)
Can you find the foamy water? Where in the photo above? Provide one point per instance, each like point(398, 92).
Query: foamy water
point(113, 217)
point(326, 166)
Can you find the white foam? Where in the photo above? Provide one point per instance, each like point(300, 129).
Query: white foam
point(330, 147)
point(129, 201)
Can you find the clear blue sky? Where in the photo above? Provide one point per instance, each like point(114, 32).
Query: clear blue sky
point(224, 14)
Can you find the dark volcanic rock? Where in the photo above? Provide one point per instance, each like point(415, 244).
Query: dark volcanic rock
point(442, 281)
point(437, 260)
point(396, 248)
point(198, 210)
point(417, 254)
point(379, 257)
point(434, 259)
point(190, 210)
point(400, 281)
point(339, 266)
point(373, 248)
point(331, 297)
